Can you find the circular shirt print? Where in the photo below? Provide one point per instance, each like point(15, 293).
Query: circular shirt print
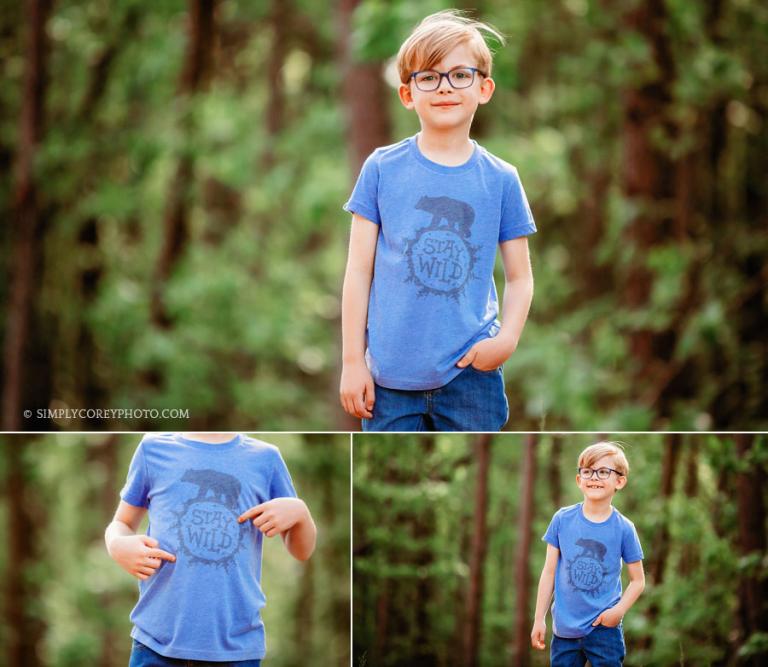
point(441, 260)
point(210, 531)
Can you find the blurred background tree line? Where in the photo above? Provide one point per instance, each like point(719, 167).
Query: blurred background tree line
point(447, 551)
point(175, 174)
point(67, 604)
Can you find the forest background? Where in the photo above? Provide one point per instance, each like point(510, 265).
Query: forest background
point(174, 176)
point(447, 546)
point(66, 603)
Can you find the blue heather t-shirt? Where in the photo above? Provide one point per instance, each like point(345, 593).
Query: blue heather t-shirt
point(433, 294)
point(588, 576)
point(206, 605)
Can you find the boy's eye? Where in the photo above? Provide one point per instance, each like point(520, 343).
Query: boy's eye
point(461, 74)
point(426, 77)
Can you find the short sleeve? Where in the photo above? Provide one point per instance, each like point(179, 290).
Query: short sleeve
point(516, 216)
point(364, 197)
point(136, 489)
point(631, 551)
point(280, 485)
point(552, 535)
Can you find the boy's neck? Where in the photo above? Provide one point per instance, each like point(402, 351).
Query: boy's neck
point(597, 510)
point(210, 438)
point(450, 148)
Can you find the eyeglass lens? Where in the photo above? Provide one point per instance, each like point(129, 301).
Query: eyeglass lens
point(588, 473)
point(458, 78)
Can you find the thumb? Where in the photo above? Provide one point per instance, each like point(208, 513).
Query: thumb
point(598, 620)
point(370, 395)
point(468, 358)
point(149, 541)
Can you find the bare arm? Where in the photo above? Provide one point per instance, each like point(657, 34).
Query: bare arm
point(356, 390)
point(289, 517)
point(136, 554)
point(544, 597)
point(612, 617)
point(490, 353)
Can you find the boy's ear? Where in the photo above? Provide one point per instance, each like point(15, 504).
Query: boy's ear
point(405, 95)
point(621, 482)
point(486, 90)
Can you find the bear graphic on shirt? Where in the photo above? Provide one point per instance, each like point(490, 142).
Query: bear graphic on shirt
point(586, 572)
point(207, 526)
point(440, 257)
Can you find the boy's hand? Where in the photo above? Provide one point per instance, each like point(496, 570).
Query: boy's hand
point(487, 354)
point(610, 618)
point(138, 555)
point(538, 634)
point(276, 516)
point(356, 391)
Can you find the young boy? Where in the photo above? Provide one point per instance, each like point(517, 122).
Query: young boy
point(585, 546)
point(211, 498)
point(422, 345)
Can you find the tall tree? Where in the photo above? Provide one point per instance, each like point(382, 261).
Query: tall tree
point(26, 253)
point(752, 545)
point(194, 77)
point(24, 629)
point(365, 94)
point(479, 547)
point(522, 561)
point(647, 173)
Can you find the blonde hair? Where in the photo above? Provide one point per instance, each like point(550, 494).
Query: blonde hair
point(595, 452)
point(440, 33)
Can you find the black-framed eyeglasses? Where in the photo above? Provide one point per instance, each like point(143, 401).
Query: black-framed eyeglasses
point(602, 473)
point(429, 80)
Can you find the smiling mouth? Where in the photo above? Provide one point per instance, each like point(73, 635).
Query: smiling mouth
point(446, 104)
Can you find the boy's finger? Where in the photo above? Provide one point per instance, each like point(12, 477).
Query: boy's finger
point(360, 409)
point(267, 526)
point(250, 513)
point(161, 554)
point(149, 541)
point(598, 620)
point(370, 395)
point(260, 520)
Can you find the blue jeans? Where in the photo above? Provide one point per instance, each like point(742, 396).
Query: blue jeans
point(603, 647)
point(473, 401)
point(143, 656)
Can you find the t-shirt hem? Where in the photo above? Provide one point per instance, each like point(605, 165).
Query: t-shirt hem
point(406, 385)
point(562, 635)
point(189, 654)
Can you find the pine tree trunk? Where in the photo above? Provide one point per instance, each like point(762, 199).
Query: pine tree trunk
point(522, 561)
point(196, 71)
point(27, 239)
point(752, 545)
point(647, 178)
point(479, 546)
point(23, 631)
